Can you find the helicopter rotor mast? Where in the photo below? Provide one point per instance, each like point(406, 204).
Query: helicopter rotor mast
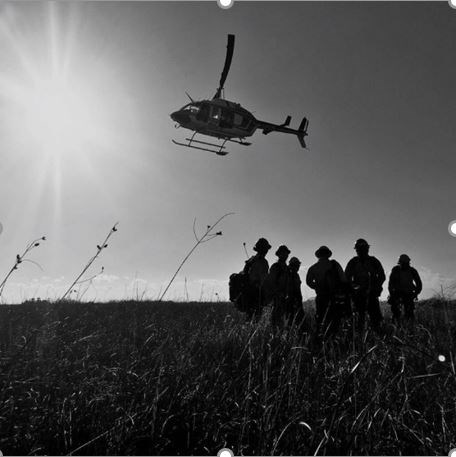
point(226, 67)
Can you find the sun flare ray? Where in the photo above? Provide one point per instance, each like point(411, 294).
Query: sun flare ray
point(62, 112)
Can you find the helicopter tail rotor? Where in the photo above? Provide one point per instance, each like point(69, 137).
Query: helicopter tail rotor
point(226, 67)
point(302, 132)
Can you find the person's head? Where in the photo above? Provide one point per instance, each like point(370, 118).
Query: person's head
point(323, 252)
point(282, 253)
point(362, 247)
point(262, 246)
point(404, 260)
point(294, 263)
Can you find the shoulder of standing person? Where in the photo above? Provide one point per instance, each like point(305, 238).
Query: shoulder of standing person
point(351, 264)
point(375, 261)
point(376, 264)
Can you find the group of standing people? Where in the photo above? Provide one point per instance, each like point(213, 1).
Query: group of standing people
point(339, 292)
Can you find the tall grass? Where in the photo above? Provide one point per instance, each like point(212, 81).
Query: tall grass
point(192, 378)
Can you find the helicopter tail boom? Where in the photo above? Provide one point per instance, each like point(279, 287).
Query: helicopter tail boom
point(301, 132)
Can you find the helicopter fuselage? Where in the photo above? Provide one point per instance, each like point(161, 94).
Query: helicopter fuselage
point(225, 120)
point(218, 118)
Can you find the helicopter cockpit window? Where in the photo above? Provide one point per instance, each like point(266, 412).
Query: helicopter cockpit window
point(245, 122)
point(203, 113)
point(226, 121)
point(191, 108)
point(216, 113)
point(237, 120)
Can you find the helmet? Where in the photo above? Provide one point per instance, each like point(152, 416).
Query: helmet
point(323, 251)
point(262, 244)
point(282, 250)
point(404, 258)
point(294, 261)
point(361, 243)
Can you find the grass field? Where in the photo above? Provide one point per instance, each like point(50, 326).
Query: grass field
point(192, 378)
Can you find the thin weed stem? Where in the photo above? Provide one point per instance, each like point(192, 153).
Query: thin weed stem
point(207, 236)
point(20, 258)
point(100, 248)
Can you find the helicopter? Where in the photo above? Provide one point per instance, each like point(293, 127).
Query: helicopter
point(225, 120)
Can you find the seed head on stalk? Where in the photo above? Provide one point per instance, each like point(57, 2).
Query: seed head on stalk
point(22, 258)
point(100, 248)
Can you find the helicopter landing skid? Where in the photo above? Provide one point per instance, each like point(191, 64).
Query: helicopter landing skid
point(220, 148)
point(220, 151)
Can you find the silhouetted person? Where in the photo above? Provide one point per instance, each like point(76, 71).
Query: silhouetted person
point(366, 276)
point(326, 277)
point(404, 286)
point(277, 284)
point(294, 310)
point(256, 268)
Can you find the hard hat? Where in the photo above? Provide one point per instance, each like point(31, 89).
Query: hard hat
point(404, 258)
point(361, 243)
point(282, 250)
point(262, 243)
point(294, 261)
point(323, 251)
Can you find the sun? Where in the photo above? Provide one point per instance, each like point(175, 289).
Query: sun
point(66, 116)
point(54, 95)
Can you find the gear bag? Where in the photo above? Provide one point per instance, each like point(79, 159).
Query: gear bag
point(237, 285)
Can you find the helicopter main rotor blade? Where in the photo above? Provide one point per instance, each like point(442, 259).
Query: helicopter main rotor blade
point(226, 68)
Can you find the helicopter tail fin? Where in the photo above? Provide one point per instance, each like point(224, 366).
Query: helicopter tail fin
point(302, 132)
point(287, 122)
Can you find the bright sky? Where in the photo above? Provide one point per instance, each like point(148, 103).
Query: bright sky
point(86, 90)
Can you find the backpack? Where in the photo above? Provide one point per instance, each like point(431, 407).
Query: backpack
point(237, 285)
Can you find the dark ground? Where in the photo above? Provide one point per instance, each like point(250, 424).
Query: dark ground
point(192, 378)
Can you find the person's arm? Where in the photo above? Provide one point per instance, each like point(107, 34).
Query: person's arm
point(392, 282)
point(418, 283)
point(296, 287)
point(299, 293)
point(381, 277)
point(349, 273)
point(310, 278)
